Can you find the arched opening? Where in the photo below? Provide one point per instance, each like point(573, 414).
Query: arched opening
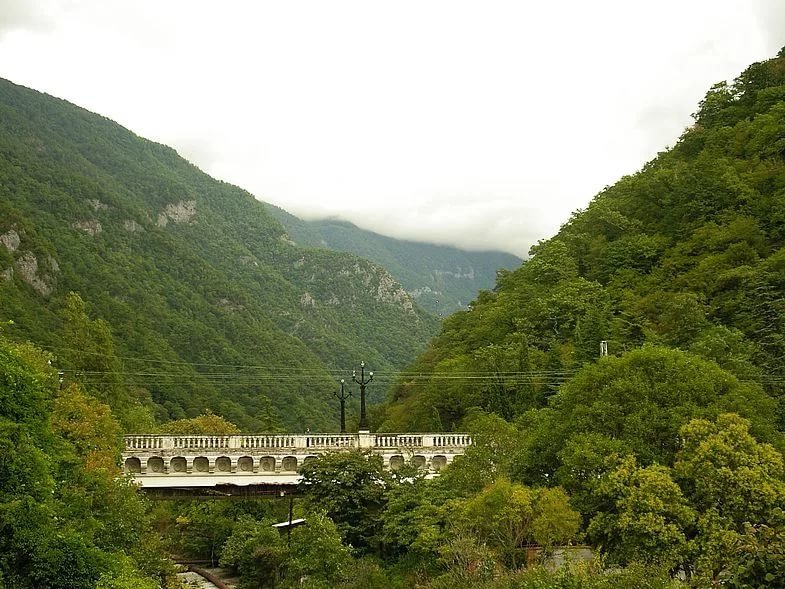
point(438, 462)
point(133, 464)
point(201, 464)
point(178, 464)
point(308, 459)
point(223, 464)
point(396, 462)
point(289, 464)
point(155, 464)
point(267, 464)
point(419, 461)
point(245, 464)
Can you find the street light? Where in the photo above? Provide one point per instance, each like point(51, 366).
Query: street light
point(342, 398)
point(362, 382)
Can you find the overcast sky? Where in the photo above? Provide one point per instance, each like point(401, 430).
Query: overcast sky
point(479, 124)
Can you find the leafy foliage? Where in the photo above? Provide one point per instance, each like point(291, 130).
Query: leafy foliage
point(687, 253)
point(206, 423)
point(67, 519)
point(349, 487)
point(188, 296)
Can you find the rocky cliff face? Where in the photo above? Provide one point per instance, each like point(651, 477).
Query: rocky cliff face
point(440, 279)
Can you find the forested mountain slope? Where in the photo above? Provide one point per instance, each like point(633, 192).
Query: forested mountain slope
point(440, 278)
point(200, 298)
point(688, 253)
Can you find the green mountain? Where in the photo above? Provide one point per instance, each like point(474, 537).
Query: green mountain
point(441, 279)
point(687, 253)
point(200, 298)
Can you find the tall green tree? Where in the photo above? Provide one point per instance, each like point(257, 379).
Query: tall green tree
point(350, 488)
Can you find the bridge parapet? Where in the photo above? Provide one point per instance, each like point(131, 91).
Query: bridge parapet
point(153, 443)
point(165, 460)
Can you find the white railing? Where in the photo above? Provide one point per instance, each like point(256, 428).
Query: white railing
point(266, 441)
point(452, 440)
point(246, 442)
point(331, 441)
point(398, 441)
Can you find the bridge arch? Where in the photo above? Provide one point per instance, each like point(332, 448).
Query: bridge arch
point(419, 461)
point(178, 464)
point(396, 462)
point(245, 464)
point(289, 464)
point(223, 464)
point(267, 464)
point(201, 464)
point(155, 464)
point(438, 462)
point(133, 464)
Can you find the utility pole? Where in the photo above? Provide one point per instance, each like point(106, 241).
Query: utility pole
point(342, 396)
point(362, 382)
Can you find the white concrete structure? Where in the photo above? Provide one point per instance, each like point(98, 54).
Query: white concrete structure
point(211, 460)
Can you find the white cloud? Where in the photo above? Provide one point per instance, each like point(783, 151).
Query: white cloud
point(481, 124)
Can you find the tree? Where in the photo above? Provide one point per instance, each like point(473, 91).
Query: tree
point(349, 487)
point(639, 400)
point(89, 426)
point(65, 517)
point(723, 467)
point(554, 522)
point(317, 553)
point(203, 528)
point(645, 516)
point(495, 444)
point(501, 516)
point(256, 551)
point(415, 517)
point(206, 423)
point(90, 349)
point(584, 461)
point(735, 484)
point(758, 557)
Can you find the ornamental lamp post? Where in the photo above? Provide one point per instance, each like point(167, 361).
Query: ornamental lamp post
point(362, 382)
point(342, 396)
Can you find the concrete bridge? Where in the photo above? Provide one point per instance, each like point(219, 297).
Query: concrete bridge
point(270, 460)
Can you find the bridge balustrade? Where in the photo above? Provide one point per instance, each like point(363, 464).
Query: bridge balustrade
point(151, 443)
point(328, 441)
point(451, 440)
point(163, 460)
point(267, 441)
point(398, 441)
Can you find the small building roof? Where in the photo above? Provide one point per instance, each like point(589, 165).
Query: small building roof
point(294, 523)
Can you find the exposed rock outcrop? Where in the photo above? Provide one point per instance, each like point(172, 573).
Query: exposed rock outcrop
point(132, 226)
point(89, 226)
point(180, 212)
point(392, 293)
point(27, 268)
point(11, 240)
point(307, 300)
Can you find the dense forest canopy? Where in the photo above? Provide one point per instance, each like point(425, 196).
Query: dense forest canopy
point(190, 292)
point(688, 253)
